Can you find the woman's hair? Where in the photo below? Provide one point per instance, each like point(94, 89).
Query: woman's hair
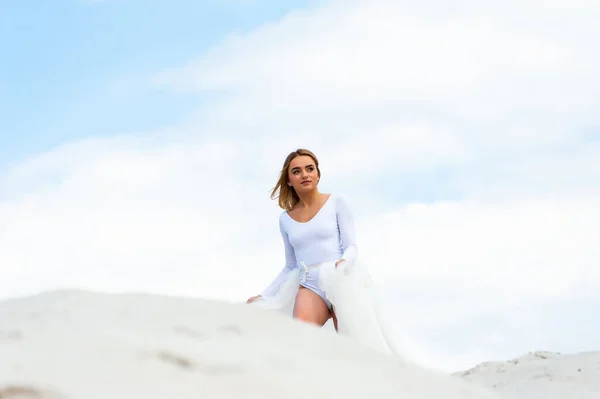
point(288, 197)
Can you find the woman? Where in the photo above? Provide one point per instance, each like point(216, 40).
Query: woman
point(316, 228)
point(321, 278)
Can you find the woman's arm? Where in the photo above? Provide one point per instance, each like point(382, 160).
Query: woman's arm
point(345, 221)
point(290, 264)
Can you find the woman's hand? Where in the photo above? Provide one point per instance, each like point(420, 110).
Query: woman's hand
point(339, 261)
point(254, 298)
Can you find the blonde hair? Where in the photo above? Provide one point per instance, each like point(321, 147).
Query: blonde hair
point(287, 197)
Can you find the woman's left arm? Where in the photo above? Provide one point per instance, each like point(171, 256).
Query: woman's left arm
point(345, 221)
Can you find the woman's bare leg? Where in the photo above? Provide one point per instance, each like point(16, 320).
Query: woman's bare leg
point(310, 307)
point(334, 320)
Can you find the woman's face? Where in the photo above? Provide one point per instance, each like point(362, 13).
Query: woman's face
point(302, 174)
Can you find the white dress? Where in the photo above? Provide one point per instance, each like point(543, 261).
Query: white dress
point(311, 250)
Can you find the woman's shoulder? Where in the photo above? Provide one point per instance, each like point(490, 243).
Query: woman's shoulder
point(341, 204)
point(283, 215)
point(285, 218)
point(340, 199)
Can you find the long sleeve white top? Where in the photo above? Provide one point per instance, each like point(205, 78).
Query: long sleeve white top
point(328, 236)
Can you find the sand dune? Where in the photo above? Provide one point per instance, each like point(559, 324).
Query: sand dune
point(541, 375)
point(76, 345)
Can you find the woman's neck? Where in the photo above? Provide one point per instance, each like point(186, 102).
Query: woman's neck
point(309, 199)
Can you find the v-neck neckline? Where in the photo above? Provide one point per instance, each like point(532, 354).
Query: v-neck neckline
point(314, 216)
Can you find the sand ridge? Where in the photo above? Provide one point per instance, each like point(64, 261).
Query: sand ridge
point(77, 344)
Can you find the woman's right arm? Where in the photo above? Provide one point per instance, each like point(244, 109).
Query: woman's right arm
point(290, 264)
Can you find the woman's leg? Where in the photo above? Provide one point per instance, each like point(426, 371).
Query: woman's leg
point(310, 307)
point(334, 319)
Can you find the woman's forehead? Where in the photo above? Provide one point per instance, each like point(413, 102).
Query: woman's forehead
point(302, 161)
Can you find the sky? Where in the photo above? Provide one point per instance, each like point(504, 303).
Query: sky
point(139, 142)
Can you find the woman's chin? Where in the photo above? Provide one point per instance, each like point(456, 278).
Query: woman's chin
point(305, 188)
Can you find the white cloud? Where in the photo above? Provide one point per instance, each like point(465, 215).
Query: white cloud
point(475, 62)
point(514, 250)
point(487, 106)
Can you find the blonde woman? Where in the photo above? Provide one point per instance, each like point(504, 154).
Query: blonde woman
point(322, 278)
point(316, 228)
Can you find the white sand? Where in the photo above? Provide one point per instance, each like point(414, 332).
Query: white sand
point(541, 375)
point(86, 345)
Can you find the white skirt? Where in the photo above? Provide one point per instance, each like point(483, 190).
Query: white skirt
point(350, 289)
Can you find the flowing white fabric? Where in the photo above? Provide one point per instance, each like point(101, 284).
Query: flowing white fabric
point(351, 291)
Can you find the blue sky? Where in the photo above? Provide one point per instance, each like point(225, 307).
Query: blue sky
point(139, 142)
point(75, 68)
